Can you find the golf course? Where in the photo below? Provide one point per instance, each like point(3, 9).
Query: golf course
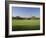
point(24, 24)
point(25, 18)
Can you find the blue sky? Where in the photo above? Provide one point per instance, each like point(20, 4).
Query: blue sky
point(25, 11)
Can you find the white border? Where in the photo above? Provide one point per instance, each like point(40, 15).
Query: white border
point(25, 32)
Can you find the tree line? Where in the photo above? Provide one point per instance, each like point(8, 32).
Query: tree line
point(18, 17)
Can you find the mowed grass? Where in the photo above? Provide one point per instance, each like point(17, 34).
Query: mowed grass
point(18, 25)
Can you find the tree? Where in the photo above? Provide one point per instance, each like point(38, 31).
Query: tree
point(33, 17)
point(17, 17)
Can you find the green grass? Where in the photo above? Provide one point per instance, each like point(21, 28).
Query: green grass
point(25, 24)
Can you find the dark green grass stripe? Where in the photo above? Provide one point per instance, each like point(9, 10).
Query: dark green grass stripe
point(24, 27)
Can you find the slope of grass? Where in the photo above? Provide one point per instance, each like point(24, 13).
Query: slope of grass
point(25, 24)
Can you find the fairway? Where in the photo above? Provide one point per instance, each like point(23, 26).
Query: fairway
point(18, 25)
